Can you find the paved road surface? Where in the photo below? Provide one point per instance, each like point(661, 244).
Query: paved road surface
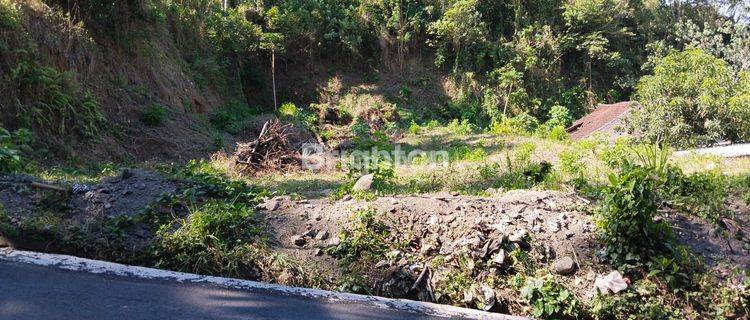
point(29, 292)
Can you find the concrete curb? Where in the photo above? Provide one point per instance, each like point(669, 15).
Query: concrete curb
point(102, 267)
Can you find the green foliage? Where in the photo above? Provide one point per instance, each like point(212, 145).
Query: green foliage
point(522, 124)
point(212, 182)
point(458, 31)
point(10, 157)
point(558, 133)
point(702, 194)
point(626, 215)
point(687, 102)
point(154, 115)
point(232, 118)
point(462, 127)
point(549, 300)
point(53, 104)
point(462, 151)
point(205, 241)
point(559, 116)
point(289, 110)
point(414, 128)
point(365, 241)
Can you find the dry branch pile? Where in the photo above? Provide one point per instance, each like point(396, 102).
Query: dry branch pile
point(270, 151)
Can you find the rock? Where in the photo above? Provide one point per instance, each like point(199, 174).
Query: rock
point(322, 235)
point(499, 258)
point(518, 236)
point(334, 241)
point(364, 183)
point(318, 252)
point(611, 283)
point(299, 240)
point(126, 173)
point(310, 233)
point(564, 265)
point(269, 205)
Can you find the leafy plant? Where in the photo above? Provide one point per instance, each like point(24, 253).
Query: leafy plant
point(10, 157)
point(364, 241)
point(549, 300)
point(626, 215)
point(154, 115)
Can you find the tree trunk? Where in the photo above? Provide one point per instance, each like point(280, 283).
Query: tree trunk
point(273, 77)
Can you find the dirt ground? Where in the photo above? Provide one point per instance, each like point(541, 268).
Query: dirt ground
point(551, 226)
point(556, 225)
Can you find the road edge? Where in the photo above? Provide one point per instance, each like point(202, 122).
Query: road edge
point(72, 263)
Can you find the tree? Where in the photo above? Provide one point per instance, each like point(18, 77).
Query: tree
point(692, 99)
point(460, 28)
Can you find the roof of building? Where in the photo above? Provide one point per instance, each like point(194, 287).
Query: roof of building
point(604, 118)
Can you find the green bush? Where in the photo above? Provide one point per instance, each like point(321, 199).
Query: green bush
point(289, 110)
point(626, 215)
point(205, 241)
point(522, 124)
point(549, 300)
point(154, 115)
point(702, 194)
point(365, 241)
point(688, 101)
point(10, 156)
point(232, 118)
point(55, 105)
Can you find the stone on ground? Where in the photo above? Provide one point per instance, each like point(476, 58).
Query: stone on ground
point(364, 183)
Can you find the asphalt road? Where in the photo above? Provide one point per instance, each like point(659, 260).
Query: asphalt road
point(29, 292)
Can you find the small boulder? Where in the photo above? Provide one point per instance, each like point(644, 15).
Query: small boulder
point(270, 205)
point(499, 258)
point(299, 240)
point(564, 266)
point(518, 236)
point(364, 183)
point(321, 235)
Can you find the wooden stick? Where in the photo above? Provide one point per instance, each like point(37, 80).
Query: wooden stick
point(45, 186)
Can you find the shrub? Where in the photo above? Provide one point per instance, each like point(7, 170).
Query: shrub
point(365, 241)
point(204, 242)
point(10, 157)
point(549, 300)
point(522, 124)
point(702, 194)
point(154, 115)
point(462, 151)
point(687, 102)
point(626, 215)
point(462, 127)
point(288, 110)
point(559, 116)
point(414, 128)
point(232, 117)
point(54, 103)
